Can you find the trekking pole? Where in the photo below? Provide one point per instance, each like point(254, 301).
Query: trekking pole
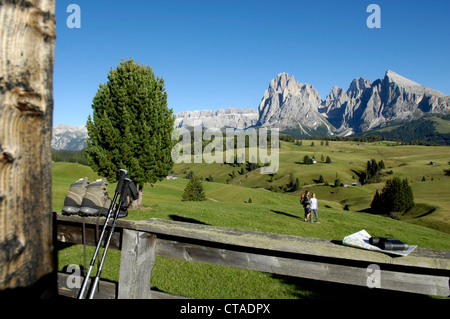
point(122, 176)
point(123, 199)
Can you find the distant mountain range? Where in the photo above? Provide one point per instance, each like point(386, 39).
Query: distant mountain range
point(297, 108)
point(67, 137)
point(292, 106)
point(221, 118)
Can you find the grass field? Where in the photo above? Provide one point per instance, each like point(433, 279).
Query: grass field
point(405, 161)
point(228, 206)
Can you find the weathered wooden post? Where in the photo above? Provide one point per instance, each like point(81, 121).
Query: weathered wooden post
point(27, 264)
point(136, 264)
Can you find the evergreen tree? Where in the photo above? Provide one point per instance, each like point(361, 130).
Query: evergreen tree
point(396, 196)
point(296, 185)
point(189, 175)
point(408, 195)
point(131, 126)
point(337, 182)
point(307, 160)
point(376, 204)
point(291, 180)
point(194, 190)
point(372, 173)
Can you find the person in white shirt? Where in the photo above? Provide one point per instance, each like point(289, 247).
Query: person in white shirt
point(314, 208)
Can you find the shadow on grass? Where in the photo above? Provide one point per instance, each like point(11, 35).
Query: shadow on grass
point(283, 213)
point(186, 220)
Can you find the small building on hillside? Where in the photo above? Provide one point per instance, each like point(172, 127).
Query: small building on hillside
point(172, 176)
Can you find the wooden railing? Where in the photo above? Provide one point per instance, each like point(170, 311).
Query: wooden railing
point(424, 271)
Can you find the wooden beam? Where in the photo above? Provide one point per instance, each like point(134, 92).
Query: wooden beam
point(68, 288)
point(276, 243)
point(72, 233)
point(296, 267)
point(106, 289)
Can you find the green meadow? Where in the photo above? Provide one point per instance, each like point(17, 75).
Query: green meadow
point(431, 188)
point(244, 202)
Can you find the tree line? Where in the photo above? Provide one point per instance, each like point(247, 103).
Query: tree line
point(417, 132)
point(70, 156)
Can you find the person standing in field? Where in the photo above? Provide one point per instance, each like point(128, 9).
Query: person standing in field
point(314, 207)
point(304, 200)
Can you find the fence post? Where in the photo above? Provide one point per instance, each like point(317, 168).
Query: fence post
point(136, 264)
point(27, 259)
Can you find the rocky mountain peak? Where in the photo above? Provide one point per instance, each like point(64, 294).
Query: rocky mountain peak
point(373, 104)
point(357, 86)
point(282, 81)
point(392, 78)
point(288, 104)
point(67, 137)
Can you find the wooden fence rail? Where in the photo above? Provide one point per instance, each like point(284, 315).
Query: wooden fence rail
point(424, 271)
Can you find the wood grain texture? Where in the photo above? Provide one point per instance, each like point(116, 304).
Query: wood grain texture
point(27, 43)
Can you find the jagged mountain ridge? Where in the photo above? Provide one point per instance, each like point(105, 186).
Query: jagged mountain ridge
point(231, 117)
point(297, 107)
point(68, 137)
point(366, 105)
point(292, 106)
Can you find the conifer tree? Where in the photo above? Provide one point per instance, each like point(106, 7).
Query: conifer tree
point(307, 160)
point(396, 196)
point(377, 204)
point(131, 126)
point(194, 190)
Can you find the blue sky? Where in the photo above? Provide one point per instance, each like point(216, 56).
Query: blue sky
point(219, 54)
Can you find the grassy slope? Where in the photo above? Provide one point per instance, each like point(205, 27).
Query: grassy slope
point(410, 162)
point(269, 211)
point(275, 212)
